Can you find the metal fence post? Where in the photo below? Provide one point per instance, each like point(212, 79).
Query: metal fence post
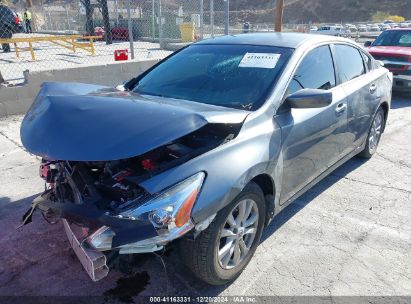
point(160, 25)
point(201, 19)
point(226, 16)
point(212, 17)
point(130, 29)
point(153, 21)
point(116, 11)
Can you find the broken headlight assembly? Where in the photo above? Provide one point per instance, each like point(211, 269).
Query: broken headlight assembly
point(169, 212)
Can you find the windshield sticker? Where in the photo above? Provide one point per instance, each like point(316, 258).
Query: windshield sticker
point(259, 60)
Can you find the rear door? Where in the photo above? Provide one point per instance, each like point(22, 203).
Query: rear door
point(313, 139)
point(363, 88)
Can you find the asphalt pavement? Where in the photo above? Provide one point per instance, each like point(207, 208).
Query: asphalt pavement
point(350, 235)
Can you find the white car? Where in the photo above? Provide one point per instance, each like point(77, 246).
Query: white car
point(405, 24)
point(375, 28)
point(362, 28)
point(385, 27)
point(332, 30)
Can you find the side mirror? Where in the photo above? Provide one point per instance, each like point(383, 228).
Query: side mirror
point(309, 98)
point(367, 43)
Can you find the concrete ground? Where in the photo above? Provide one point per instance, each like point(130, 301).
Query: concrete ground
point(350, 235)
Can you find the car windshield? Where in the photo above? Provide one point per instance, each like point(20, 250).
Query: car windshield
point(236, 76)
point(394, 38)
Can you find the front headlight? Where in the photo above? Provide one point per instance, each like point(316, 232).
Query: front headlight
point(169, 212)
point(172, 207)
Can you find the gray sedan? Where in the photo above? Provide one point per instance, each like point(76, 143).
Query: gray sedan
point(205, 148)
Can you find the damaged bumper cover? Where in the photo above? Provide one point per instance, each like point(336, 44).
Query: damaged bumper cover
point(94, 262)
point(143, 228)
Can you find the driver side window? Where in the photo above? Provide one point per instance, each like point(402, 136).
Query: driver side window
point(316, 71)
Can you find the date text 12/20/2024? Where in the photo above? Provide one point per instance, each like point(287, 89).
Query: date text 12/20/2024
point(199, 299)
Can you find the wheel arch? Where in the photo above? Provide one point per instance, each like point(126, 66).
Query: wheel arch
point(267, 185)
point(384, 105)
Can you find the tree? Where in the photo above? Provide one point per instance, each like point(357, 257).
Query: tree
point(380, 16)
point(89, 16)
point(396, 18)
point(106, 21)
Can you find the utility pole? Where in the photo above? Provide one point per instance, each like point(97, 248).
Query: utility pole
point(279, 15)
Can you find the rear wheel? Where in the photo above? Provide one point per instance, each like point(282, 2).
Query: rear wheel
point(374, 135)
point(221, 252)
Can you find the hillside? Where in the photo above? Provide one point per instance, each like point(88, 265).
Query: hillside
point(302, 11)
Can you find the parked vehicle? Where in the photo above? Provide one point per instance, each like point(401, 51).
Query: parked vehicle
point(9, 25)
point(353, 29)
point(393, 47)
point(167, 159)
point(362, 28)
point(385, 27)
point(332, 31)
point(374, 28)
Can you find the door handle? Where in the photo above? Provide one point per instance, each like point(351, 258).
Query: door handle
point(341, 107)
point(373, 88)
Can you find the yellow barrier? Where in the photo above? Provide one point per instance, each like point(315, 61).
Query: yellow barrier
point(187, 32)
point(68, 41)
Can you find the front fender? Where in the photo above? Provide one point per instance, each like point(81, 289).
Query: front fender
point(229, 167)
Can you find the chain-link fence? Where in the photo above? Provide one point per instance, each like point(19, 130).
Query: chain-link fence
point(52, 34)
point(57, 34)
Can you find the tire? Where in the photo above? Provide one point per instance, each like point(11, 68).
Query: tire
point(201, 255)
point(374, 134)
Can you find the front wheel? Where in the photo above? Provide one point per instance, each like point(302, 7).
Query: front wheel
point(221, 252)
point(374, 135)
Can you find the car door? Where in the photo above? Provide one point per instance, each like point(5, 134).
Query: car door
point(362, 87)
point(313, 139)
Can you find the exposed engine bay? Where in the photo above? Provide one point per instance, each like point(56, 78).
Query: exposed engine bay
point(113, 186)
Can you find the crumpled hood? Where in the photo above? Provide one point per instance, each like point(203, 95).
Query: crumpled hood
point(81, 122)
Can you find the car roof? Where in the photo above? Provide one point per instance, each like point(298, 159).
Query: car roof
point(288, 40)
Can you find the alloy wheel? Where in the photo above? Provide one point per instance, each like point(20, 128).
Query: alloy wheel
point(375, 132)
point(238, 233)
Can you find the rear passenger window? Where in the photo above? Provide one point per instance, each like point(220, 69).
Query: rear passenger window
point(350, 62)
point(316, 71)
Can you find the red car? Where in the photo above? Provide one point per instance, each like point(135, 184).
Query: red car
point(393, 47)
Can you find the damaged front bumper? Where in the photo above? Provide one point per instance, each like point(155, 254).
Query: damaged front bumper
point(147, 227)
point(94, 262)
point(85, 227)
